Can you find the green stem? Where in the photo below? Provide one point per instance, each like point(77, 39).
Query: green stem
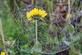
point(32, 2)
point(36, 31)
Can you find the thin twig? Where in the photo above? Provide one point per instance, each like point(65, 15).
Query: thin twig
point(69, 10)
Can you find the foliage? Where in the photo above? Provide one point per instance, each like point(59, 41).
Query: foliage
point(21, 33)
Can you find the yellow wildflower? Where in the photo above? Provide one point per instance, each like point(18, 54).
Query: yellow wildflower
point(36, 12)
point(3, 53)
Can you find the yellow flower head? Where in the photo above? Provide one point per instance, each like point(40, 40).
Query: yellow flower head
point(35, 12)
point(3, 53)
